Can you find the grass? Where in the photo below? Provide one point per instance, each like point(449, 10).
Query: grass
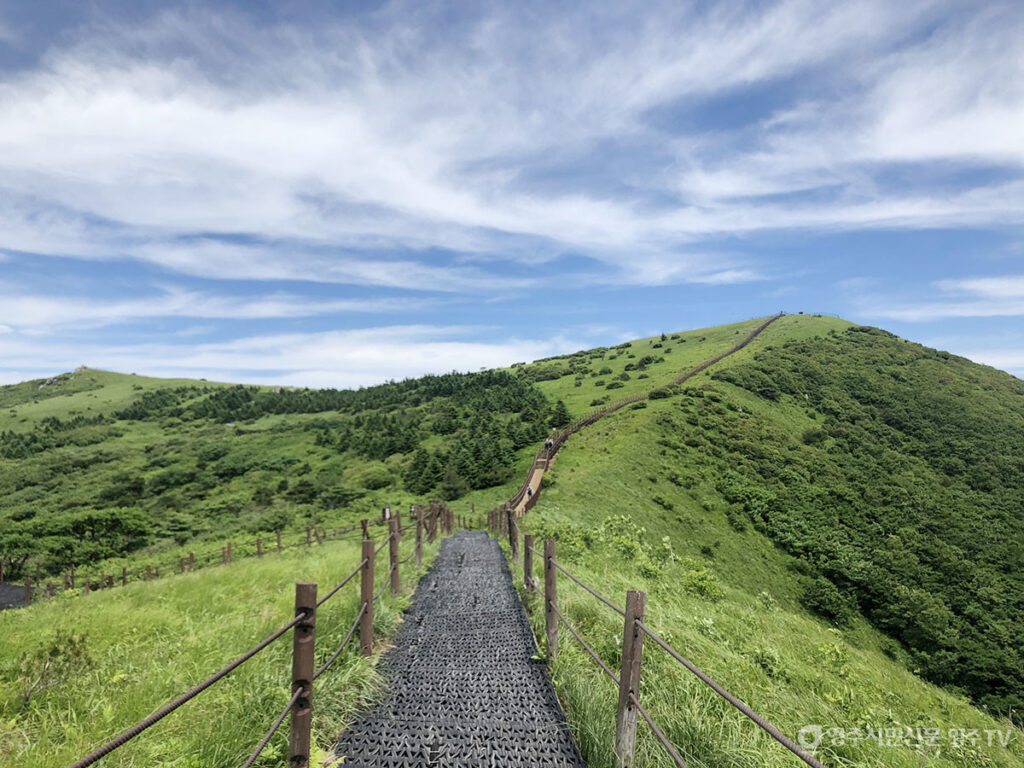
point(132, 650)
point(729, 601)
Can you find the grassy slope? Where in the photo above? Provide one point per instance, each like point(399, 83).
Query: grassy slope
point(791, 667)
point(73, 476)
point(147, 643)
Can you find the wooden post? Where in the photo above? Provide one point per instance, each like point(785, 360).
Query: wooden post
point(513, 537)
point(303, 668)
point(278, 541)
point(28, 589)
point(38, 577)
point(157, 572)
point(149, 573)
point(419, 539)
point(85, 590)
point(527, 563)
point(229, 553)
point(72, 576)
point(1, 570)
point(316, 532)
point(393, 551)
point(629, 680)
point(181, 565)
point(124, 576)
point(191, 561)
point(223, 555)
point(366, 532)
point(309, 539)
point(366, 595)
point(67, 581)
point(49, 589)
point(259, 547)
point(110, 581)
point(550, 599)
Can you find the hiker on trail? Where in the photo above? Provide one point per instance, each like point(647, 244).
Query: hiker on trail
point(385, 513)
point(529, 492)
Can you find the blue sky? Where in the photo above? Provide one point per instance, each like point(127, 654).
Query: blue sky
point(302, 194)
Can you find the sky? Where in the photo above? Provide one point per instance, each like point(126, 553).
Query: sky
point(336, 194)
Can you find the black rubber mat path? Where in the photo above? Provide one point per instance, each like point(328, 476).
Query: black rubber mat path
point(464, 687)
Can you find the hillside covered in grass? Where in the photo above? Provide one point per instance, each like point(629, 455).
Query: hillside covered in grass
point(95, 466)
point(825, 521)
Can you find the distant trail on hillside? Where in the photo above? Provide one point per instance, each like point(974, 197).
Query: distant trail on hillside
point(464, 684)
point(527, 496)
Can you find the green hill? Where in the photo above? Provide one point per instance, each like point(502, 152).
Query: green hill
point(828, 521)
point(821, 521)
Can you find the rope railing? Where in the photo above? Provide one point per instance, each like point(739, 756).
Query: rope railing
point(593, 654)
point(592, 591)
point(767, 727)
point(306, 608)
point(343, 582)
point(273, 729)
point(160, 714)
point(337, 653)
point(658, 733)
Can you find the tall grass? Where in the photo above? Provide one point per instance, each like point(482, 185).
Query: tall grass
point(118, 655)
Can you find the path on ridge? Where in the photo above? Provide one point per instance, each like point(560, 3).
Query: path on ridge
point(536, 476)
point(463, 686)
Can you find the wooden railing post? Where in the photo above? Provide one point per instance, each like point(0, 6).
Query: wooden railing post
point(550, 599)
point(629, 679)
point(419, 539)
point(67, 581)
point(393, 552)
point(229, 553)
point(278, 532)
point(259, 547)
point(303, 641)
point(366, 532)
point(366, 596)
point(149, 572)
point(527, 563)
point(28, 589)
point(513, 537)
point(191, 561)
point(124, 576)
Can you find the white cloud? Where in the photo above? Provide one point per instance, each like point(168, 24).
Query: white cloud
point(977, 297)
point(405, 138)
point(1005, 287)
point(334, 358)
point(50, 313)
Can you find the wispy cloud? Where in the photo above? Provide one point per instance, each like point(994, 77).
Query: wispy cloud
point(969, 297)
point(399, 135)
point(335, 358)
point(37, 314)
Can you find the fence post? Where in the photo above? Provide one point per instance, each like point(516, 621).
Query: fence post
point(309, 538)
point(149, 572)
point(629, 679)
point(303, 640)
point(67, 581)
point(366, 533)
point(38, 577)
point(49, 589)
point(72, 576)
point(550, 599)
point(229, 553)
point(513, 537)
point(527, 563)
point(28, 589)
point(259, 547)
point(85, 591)
point(393, 551)
point(191, 561)
point(124, 576)
point(419, 539)
point(278, 532)
point(316, 532)
point(366, 595)
point(1, 570)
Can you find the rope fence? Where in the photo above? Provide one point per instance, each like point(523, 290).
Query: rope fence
point(303, 627)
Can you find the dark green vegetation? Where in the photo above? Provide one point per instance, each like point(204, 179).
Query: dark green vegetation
point(822, 559)
point(99, 465)
point(906, 495)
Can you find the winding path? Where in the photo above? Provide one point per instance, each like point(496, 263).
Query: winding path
point(464, 685)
